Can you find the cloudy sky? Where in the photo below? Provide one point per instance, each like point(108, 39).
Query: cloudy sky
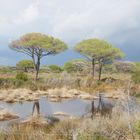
point(117, 21)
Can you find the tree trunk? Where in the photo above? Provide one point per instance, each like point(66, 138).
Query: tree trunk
point(36, 75)
point(93, 68)
point(100, 70)
point(37, 68)
point(25, 69)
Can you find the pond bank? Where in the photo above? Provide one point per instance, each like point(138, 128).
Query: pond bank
point(21, 95)
point(51, 111)
point(60, 103)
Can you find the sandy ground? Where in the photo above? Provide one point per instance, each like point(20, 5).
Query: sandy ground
point(17, 95)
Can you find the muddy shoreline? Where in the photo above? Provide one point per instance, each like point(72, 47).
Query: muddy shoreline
point(21, 95)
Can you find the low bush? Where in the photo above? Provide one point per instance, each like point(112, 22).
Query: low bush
point(22, 76)
point(136, 76)
point(69, 67)
point(137, 127)
point(55, 68)
point(25, 65)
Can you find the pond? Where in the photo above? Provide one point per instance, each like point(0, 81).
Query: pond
point(71, 107)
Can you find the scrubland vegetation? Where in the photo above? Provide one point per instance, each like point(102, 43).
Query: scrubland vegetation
point(77, 75)
point(99, 128)
point(115, 78)
point(101, 70)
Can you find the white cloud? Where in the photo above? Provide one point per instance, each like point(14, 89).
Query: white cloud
point(93, 18)
point(71, 20)
point(117, 21)
point(30, 14)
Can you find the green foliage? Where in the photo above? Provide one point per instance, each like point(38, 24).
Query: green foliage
point(22, 76)
point(137, 127)
point(136, 76)
point(136, 73)
point(137, 66)
point(55, 68)
point(41, 43)
point(37, 45)
point(25, 64)
point(98, 49)
point(69, 67)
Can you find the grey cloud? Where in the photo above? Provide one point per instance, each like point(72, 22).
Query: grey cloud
point(70, 19)
point(117, 21)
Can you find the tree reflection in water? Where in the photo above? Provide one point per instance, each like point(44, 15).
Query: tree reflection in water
point(104, 108)
point(37, 106)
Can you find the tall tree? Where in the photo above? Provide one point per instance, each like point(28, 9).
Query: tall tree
point(37, 45)
point(106, 55)
point(98, 52)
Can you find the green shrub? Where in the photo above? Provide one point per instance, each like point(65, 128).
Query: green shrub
point(55, 68)
point(137, 128)
point(69, 67)
point(25, 65)
point(137, 66)
point(136, 77)
point(22, 76)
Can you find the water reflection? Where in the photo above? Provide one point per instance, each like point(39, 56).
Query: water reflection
point(103, 109)
point(45, 107)
point(72, 107)
point(37, 106)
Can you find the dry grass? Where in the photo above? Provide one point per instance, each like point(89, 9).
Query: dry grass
point(5, 115)
point(99, 128)
point(64, 85)
point(112, 86)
